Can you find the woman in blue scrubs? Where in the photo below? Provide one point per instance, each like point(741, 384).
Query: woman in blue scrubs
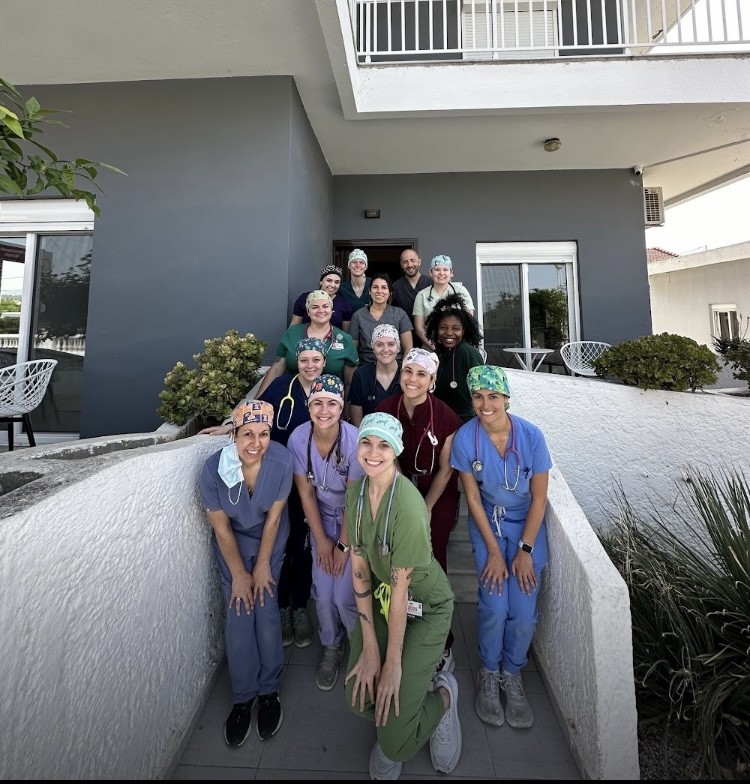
point(504, 465)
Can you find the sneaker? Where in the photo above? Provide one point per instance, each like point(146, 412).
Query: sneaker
point(487, 703)
point(303, 631)
point(237, 725)
point(517, 708)
point(382, 768)
point(445, 743)
point(287, 633)
point(447, 663)
point(269, 715)
point(328, 669)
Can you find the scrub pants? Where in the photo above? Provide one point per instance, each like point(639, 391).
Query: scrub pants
point(420, 710)
point(506, 622)
point(335, 605)
point(255, 654)
point(296, 573)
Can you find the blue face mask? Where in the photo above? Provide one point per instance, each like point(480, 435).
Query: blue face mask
point(230, 467)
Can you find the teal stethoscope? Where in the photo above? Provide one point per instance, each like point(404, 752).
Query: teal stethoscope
point(477, 466)
point(384, 548)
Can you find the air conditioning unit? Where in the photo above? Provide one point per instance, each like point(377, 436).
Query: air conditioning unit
point(653, 207)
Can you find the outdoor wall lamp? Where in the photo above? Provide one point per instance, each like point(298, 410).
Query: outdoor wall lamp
point(372, 213)
point(552, 145)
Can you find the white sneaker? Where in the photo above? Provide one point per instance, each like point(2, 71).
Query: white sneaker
point(446, 741)
point(518, 711)
point(487, 703)
point(447, 663)
point(381, 767)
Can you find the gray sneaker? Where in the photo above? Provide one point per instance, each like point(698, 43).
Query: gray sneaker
point(487, 703)
point(287, 633)
point(445, 743)
point(303, 631)
point(517, 708)
point(328, 669)
point(381, 767)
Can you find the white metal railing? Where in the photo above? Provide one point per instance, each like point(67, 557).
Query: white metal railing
point(73, 344)
point(449, 30)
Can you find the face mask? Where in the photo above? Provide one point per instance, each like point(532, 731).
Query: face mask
point(230, 467)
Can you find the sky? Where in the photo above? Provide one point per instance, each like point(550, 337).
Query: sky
point(711, 221)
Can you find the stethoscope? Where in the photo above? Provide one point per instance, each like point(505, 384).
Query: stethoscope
point(291, 400)
point(431, 296)
point(372, 397)
point(384, 548)
point(339, 460)
point(477, 465)
point(430, 436)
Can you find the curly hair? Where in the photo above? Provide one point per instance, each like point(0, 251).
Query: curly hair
point(453, 305)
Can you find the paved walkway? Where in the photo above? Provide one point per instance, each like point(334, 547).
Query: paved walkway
point(321, 739)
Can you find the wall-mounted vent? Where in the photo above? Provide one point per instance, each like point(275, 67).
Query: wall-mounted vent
point(653, 207)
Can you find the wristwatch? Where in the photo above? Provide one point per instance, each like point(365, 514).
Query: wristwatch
point(527, 548)
point(341, 546)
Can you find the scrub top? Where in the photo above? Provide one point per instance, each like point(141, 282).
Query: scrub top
point(351, 297)
point(472, 443)
point(366, 391)
point(248, 515)
point(342, 310)
point(407, 539)
point(454, 365)
point(363, 323)
point(426, 299)
point(332, 475)
point(404, 293)
point(341, 350)
point(290, 413)
point(419, 454)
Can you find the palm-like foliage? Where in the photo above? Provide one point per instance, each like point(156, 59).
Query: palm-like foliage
point(690, 603)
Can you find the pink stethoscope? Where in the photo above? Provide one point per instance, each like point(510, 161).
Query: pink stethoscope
point(427, 432)
point(477, 465)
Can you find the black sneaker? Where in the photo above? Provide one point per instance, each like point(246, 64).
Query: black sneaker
point(269, 715)
point(237, 725)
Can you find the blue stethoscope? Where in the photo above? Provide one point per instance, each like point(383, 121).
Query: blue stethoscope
point(477, 465)
point(384, 548)
point(339, 460)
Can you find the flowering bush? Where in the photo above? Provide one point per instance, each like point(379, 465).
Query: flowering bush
point(226, 369)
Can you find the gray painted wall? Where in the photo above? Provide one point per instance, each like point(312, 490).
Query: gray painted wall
point(449, 213)
point(224, 179)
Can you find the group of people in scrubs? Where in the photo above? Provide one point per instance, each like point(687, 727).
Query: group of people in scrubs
point(348, 491)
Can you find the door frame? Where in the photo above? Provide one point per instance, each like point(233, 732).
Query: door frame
point(342, 248)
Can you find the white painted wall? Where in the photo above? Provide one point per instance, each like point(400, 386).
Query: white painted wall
point(109, 612)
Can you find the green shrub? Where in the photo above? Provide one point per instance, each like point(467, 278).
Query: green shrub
point(737, 353)
point(226, 369)
point(665, 361)
point(690, 606)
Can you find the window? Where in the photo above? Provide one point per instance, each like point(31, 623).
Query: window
point(518, 29)
point(527, 295)
point(724, 321)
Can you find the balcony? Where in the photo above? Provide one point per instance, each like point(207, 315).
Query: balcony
point(452, 30)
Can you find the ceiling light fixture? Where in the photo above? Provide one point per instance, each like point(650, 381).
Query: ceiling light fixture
point(552, 145)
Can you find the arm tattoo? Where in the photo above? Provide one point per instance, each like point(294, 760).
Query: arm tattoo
point(363, 617)
point(360, 576)
point(394, 578)
point(363, 594)
point(358, 550)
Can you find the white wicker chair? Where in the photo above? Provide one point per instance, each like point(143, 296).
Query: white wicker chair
point(22, 388)
point(579, 355)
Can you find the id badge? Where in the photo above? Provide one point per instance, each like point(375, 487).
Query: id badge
point(413, 609)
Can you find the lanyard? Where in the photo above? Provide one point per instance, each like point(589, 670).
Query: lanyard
point(384, 546)
point(335, 445)
point(328, 336)
point(426, 432)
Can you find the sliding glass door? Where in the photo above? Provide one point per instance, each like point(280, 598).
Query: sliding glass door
point(527, 297)
point(45, 267)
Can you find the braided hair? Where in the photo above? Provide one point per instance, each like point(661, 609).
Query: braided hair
point(453, 305)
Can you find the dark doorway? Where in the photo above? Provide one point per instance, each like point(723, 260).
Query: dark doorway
point(382, 255)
